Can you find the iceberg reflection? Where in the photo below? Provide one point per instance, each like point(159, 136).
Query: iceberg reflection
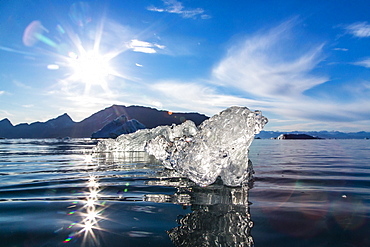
point(220, 214)
point(123, 157)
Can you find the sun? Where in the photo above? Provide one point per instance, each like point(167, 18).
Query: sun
point(90, 68)
point(84, 59)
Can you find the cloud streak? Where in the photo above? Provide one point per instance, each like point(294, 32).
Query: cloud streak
point(258, 67)
point(267, 68)
point(365, 63)
point(315, 114)
point(270, 76)
point(144, 47)
point(176, 7)
point(6, 113)
point(195, 96)
point(340, 49)
point(21, 85)
point(359, 29)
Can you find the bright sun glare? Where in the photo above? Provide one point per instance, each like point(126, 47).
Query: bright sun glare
point(87, 65)
point(90, 68)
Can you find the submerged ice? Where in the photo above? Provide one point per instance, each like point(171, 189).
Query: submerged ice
point(218, 147)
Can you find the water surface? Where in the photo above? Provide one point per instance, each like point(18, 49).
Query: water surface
point(304, 193)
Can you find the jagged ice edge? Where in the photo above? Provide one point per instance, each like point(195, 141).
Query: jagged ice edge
point(219, 147)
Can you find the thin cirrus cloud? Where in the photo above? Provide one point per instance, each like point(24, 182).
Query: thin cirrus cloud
point(27, 106)
point(197, 96)
point(21, 85)
point(206, 99)
point(340, 49)
point(359, 29)
point(6, 113)
point(144, 47)
point(258, 68)
point(364, 63)
point(258, 65)
point(176, 7)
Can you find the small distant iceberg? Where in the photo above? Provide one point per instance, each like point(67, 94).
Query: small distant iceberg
point(296, 137)
point(217, 148)
point(117, 127)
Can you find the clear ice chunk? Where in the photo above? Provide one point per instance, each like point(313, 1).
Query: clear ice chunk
point(219, 147)
point(136, 142)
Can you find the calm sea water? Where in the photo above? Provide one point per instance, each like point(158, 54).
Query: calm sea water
point(305, 193)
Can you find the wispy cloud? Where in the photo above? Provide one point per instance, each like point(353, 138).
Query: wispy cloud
point(360, 90)
point(196, 96)
point(364, 63)
point(297, 114)
point(176, 7)
point(340, 49)
point(27, 106)
point(80, 105)
point(21, 84)
point(359, 29)
point(2, 92)
point(264, 65)
point(6, 113)
point(270, 76)
point(323, 111)
point(143, 46)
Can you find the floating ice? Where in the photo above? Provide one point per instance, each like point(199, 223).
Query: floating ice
point(137, 141)
point(219, 147)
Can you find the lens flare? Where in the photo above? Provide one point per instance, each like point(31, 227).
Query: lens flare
point(34, 33)
point(80, 13)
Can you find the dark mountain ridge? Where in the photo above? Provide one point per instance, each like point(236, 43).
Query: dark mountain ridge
point(63, 125)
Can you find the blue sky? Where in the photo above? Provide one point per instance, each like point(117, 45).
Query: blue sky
point(305, 64)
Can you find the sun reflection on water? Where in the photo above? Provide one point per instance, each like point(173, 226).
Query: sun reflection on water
point(91, 213)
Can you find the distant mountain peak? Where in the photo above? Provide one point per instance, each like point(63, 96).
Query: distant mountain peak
point(64, 116)
point(5, 123)
point(63, 120)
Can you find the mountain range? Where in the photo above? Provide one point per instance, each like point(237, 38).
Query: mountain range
point(64, 126)
point(319, 134)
